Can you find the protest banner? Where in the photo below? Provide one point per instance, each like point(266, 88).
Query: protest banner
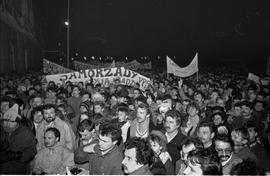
point(103, 76)
point(254, 78)
point(53, 68)
point(84, 66)
point(189, 70)
point(268, 66)
point(147, 66)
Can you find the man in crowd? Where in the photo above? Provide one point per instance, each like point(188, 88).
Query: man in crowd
point(18, 144)
point(203, 162)
point(54, 158)
point(106, 157)
point(257, 147)
point(189, 144)
point(141, 125)
point(51, 120)
point(206, 134)
point(137, 156)
point(173, 134)
point(224, 147)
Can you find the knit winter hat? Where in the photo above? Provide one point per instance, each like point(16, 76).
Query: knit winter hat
point(87, 105)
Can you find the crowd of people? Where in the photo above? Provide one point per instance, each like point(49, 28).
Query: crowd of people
point(214, 124)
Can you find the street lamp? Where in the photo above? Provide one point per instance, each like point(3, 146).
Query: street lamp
point(68, 26)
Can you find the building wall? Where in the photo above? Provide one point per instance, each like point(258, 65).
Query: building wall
point(19, 46)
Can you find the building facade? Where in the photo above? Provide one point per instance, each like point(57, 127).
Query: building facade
point(20, 47)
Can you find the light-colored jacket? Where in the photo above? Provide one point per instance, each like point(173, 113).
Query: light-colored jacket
point(53, 160)
point(67, 136)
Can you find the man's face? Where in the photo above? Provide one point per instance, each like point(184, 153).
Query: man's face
point(185, 150)
point(49, 115)
point(136, 94)
point(121, 116)
point(217, 119)
point(38, 117)
point(98, 109)
point(49, 139)
point(170, 124)
point(205, 135)
point(246, 111)
point(130, 163)
point(75, 92)
point(37, 102)
point(224, 150)
point(105, 143)
point(198, 98)
point(141, 115)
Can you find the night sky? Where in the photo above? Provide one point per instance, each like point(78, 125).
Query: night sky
point(216, 29)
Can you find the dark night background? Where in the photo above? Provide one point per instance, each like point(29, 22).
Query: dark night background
point(221, 31)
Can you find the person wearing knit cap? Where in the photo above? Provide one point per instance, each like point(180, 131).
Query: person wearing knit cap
point(18, 144)
point(122, 96)
point(141, 99)
point(86, 107)
point(162, 161)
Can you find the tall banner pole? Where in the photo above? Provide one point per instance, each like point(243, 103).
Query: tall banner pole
point(198, 67)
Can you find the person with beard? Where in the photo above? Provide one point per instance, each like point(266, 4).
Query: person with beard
point(54, 158)
point(51, 120)
point(173, 134)
point(106, 158)
point(17, 144)
point(224, 147)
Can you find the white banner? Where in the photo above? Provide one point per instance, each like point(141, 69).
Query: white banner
point(53, 68)
point(103, 76)
point(254, 78)
point(189, 70)
point(268, 66)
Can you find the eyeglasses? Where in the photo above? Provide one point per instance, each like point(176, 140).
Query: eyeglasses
point(227, 151)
